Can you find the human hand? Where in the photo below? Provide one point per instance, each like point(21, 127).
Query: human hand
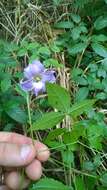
point(17, 151)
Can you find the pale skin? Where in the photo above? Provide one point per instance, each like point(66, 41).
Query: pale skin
point(18, 151)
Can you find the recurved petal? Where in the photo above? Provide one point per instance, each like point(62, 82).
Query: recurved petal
point(33, 69)
point(48, 76)
point(26, 85)
point(38, 87)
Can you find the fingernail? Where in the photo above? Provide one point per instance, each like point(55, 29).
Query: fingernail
point(25, 151)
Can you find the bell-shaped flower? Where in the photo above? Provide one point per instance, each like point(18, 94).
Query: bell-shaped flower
point(35, 78)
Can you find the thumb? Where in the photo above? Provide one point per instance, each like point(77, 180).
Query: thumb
point(14, 155)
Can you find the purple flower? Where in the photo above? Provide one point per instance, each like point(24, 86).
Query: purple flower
point(35, 78)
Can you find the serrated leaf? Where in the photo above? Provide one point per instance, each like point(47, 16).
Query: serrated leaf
point(79, 108)
point(49, 184)
point(99, 49)
point(58, 97)
point(48, 120)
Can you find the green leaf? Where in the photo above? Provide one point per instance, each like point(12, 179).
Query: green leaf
point(48, 120)
point(68, 157)
point(33, 57)
point(5, 84)
point(55, 133)
point(56, 145)
point(75, 73)
point(95, 143)
point(64, 25)
point(94, 130)
point(33, 46)
point(52, 62)
point(79, 108)
point(93, 67)
point(44, 51)
point(17, 114)
point(101, 96)
point(88, 165)
point(81, 81)
point(20, 91)
point(54, 47)
point(77, 31)
point(101, 73)
point(97, 160)
point(11, 47)
point(70, 140)
point(22, 52)
point(99, 49)
point(77, 48)
point(82, 94)
point(94, 135)
point(100, 23)
point(49, 184)
point(58, 97)
point(99, 38)
point(76, 18)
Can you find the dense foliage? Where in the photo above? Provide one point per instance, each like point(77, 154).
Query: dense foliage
point(69, 37)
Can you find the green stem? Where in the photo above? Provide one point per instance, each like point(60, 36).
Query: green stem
point(29, 115)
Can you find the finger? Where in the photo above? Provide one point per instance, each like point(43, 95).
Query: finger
point(34, 170)
point(13, 155)
point(15, 181)
point(3, 187)
point(42, 150)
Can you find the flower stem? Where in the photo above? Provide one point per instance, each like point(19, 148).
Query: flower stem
point(29, 116)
